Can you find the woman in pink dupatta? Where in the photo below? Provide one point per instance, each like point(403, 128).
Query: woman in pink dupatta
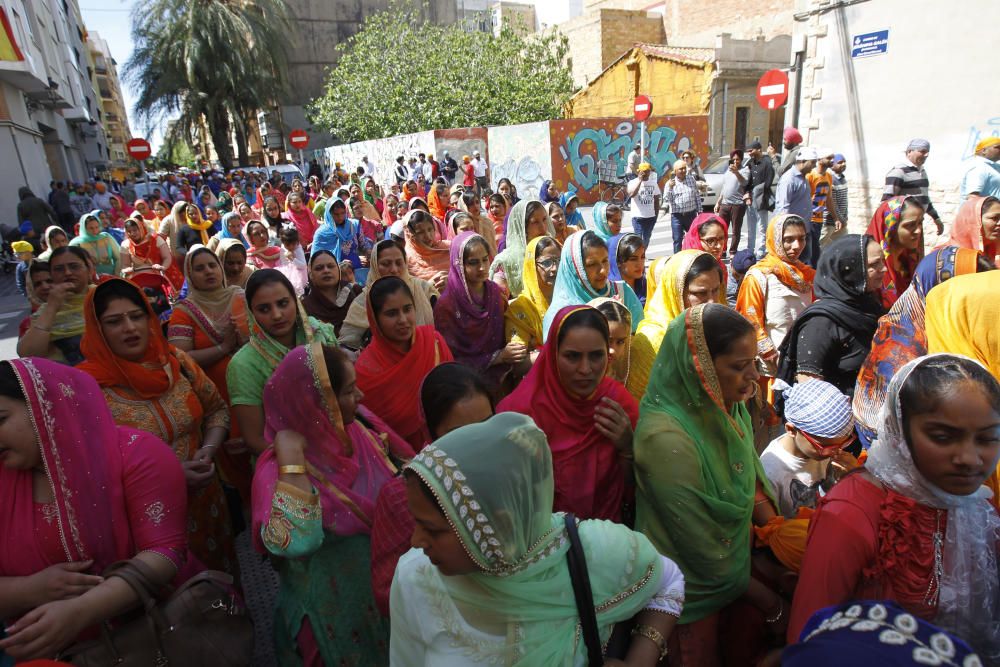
point(78, 494)
point(314, 494)
point(579, 410)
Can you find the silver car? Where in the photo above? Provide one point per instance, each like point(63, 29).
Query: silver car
point(714, 174)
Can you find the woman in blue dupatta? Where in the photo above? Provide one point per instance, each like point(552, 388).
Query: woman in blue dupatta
point(570, 204)
point(583, 276)
point(232, 228)
point(627, 256)
point(342, 236)
point(902, 334)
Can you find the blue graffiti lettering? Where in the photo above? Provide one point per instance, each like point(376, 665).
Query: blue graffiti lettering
point(584, 149)
point(991, 128)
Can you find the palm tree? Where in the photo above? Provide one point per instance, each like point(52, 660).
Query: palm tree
point(212, 59)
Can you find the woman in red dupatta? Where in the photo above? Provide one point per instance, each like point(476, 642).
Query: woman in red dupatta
point(898, 226)
point(145, 251)
point(398, 358)
point(977, 226)
point(587, 416)
point(80, 491)
point(260, 254)
point(701, 236)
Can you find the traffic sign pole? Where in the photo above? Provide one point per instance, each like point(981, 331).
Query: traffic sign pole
point(642, 110)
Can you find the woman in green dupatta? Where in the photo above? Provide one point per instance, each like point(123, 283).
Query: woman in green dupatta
point(699, 481)
point(527, 220)
point(278, 323)
point(100, 245)
point(488, 582)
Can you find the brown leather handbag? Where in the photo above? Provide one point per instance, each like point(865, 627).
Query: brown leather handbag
point(201, 623)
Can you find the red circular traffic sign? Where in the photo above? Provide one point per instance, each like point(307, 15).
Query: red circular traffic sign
point(643, 108)
point(139, 148)
point(772, 89)
point(298, 138)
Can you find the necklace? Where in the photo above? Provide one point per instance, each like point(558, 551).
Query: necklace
point(934, 585)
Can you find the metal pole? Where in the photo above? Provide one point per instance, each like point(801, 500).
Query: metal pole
point(642, 141)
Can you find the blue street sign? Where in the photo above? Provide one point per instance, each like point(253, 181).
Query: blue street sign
point(870, 44)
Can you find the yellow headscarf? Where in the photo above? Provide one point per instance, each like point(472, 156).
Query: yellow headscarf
point(523, 319)
point(200, 226)
point(962, 316)
point(654, 274)
point(666, 303)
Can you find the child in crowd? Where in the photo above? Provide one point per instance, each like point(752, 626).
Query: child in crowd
point(293, 263)
point(742, 261)
point(614, 213)
point(347, 271)
point(819, 424)
point(25, 253)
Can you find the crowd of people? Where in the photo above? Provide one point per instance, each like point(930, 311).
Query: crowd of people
point(429, 403)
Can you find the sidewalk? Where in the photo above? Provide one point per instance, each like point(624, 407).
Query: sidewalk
point(13, 309)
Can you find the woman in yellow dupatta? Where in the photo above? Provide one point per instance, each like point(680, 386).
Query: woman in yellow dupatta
point(688, 279)
point(654, 274)
point(962, 316)
point(523, 319)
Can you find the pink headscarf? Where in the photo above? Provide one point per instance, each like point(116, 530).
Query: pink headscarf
point(87, 462)
point(692, 240)
point(346, 464)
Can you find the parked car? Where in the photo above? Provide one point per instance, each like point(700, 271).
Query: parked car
point(289, 172)
point(714, 174)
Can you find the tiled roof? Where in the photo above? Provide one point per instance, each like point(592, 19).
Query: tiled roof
point(689, 54)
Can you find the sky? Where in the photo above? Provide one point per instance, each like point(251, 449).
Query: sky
point(111, 19)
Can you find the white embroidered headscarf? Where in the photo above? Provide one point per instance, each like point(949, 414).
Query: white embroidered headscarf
point(969, 600)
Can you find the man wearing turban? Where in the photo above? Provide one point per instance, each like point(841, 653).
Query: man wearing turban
point(908, 178)
point(983, 177)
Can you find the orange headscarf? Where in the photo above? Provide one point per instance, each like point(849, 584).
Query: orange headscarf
point(967, 230)
point(437, 207)
point(794, 274)
point(149, 377)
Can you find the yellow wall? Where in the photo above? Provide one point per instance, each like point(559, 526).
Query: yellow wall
point(675, 88)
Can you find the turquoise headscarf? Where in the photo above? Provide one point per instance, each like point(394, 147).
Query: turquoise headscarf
point(601, 227)
point(494, 482)
point(224, 233)
point(573, 288)
point(575, 220)
point(100, 245)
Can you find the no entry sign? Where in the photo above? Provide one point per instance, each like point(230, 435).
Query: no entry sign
point(299, 139)
point(643, 108)
point(139, 149)
point(772, 89)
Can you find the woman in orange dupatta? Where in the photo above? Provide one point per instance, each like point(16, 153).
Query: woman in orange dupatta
point(392, 367)
point(427, 256)
point(776, 290)
point(977, 226)
point(898, 226)
point(152, 386)
point(437, 200)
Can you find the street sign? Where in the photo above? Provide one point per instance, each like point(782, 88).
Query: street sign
point(870, 44)
point(298, 139)
point(643, 108)
point(772, 89)
point(139, 149)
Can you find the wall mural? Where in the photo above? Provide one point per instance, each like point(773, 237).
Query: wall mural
point(522, 154)
point(578, 145)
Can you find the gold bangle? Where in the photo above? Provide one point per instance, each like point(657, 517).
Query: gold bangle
point(40, 328)
point(654, 635)
point(292, 470)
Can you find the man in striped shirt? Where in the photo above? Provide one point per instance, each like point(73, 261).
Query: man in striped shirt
point(909, 178)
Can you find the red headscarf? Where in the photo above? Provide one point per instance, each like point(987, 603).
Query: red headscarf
point(967, 230)
point(589, 473)
point(692, 240)
point(883, 228)
point(390, 378)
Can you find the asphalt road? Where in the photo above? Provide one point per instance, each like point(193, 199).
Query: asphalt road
point(13, 308)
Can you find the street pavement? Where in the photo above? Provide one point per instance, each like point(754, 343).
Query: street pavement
point(13, 309)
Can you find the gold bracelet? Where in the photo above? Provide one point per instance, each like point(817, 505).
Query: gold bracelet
point(654, 635)
point(292, 470)
point(41, 328)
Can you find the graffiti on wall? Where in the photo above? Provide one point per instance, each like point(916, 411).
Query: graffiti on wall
point(461, 142)
point(521, 153)
point(579, 144)
point(978, 132)
point(382, 152)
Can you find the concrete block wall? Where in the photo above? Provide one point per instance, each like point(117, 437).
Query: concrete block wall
point(621, 29)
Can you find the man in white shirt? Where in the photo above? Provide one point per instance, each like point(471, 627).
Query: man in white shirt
point(370, 170)
point(819, 424)
point(645, 195)
point(480, 170)
point(426, 169)
point(983, 177)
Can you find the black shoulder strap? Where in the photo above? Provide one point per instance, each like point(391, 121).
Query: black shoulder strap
point(583, 594)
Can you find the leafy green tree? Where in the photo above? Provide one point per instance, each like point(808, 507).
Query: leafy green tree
point(403, 74)
point(175, 152)
point(211, 61)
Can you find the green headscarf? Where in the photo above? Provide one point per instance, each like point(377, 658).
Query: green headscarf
point(601, 227)
point(696, 471)
point(516, 240)
point(494, 481)
point(99, 245)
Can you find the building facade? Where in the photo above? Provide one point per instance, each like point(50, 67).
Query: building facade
point(116, 126)
point(51, 117)
point(871, 82)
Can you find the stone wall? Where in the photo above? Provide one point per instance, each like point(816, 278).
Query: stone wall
point(598, 38)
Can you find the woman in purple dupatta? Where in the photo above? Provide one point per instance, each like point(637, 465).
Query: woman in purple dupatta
point(314, 493)
point(469, 315)
point(78, 494)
